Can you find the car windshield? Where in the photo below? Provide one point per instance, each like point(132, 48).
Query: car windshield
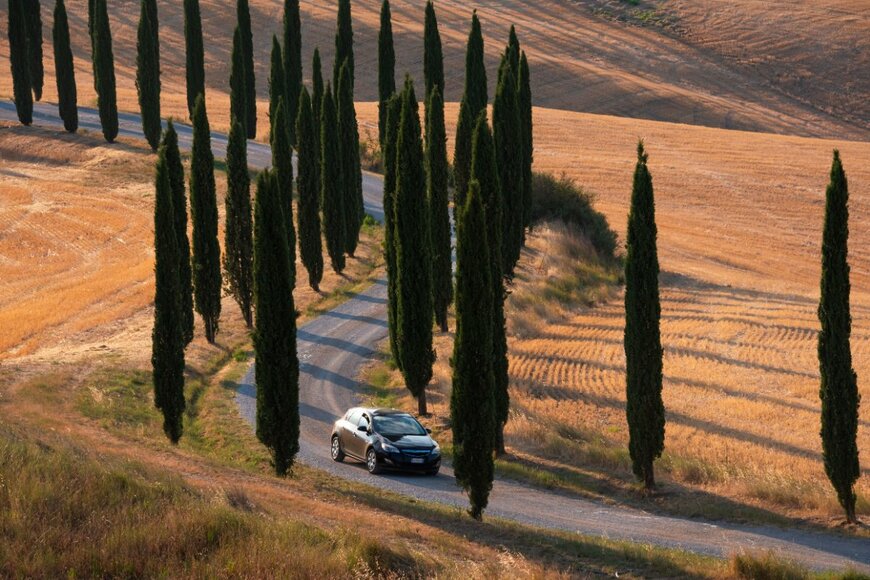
point(398, 425)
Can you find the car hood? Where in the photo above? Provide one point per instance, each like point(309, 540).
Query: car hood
point(410, 441)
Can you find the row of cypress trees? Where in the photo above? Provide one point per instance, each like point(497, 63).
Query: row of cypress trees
point(25, 53)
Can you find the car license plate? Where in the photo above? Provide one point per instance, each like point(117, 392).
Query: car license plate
point(417, 460)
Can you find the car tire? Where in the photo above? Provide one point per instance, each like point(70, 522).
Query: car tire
point(433, 472)
point(337, 453)
point(372, 462)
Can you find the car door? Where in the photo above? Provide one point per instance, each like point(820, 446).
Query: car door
point(360, 438)
point(348, 431)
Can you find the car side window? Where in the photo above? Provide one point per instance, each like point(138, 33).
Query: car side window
point(353, 418)
point(363, 422)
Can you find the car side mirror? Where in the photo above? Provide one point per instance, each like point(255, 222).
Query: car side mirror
point(363, 428)
point(429, 431)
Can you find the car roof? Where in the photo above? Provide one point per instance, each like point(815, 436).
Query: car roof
point(379, 411)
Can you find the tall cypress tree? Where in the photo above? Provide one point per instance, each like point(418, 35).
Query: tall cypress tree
point(195, 60)
point(179, 203)
point(413, 254)
point(148, 72)
point(350, 163)
point(238, 109)
point(525, 104)
point(292, 62)
point(243, 14)
point(308, 185)
point(204, 214)
point(332, 183)
point(474, 100)
point(277, 85)
point(317, 94)
point(104, 72)
point(167, 337)
point(386, 69)
point(513, 51)
point(282, 164)
point(433, 55)
point(275, 331)
point(33, 20)
point(472, 409)
point(343, 44)
point(839, 384)
point(508, 135)
point(484, 170)
point(238, 234)
point(394, 112)
point(67, 93)
point(643, 348)
point(439, 205)
point(18, 58)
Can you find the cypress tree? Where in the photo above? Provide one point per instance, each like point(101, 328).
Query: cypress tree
point(275, 331)
point(148, 73)
point(472, 412)
point(643, 348)
point(238, 109)
point(839, 383)
point(179, 203)
point(243, 13)
point(433, 55)
point(332, 183)
point(386, 69)
point(282, 164)
point(203, 212)
point(317, 98)
point(277, 85)
point(33, 24)
point(18, 57)
point(195, 65)
point(474, 99)
point(167, 340)
point(462, 156)
point(437, 185)
point(91, 4)
point(343, 44)
point(238, 240)
point(413, 254)
point(308, 185)
point(292, 62)
point(484, 170)
point(350, 163)
point(508, 135)
point(67, 94)
point(104, 72)
point(513, 52)
point(525, 103)
point(394, 111)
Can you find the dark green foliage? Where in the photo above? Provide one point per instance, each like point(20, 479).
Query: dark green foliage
point(525, 103)
point(167, 337)
point(282, 163)
point(18, 57)
point(386, 69)
point(433, 55)
point(204, 214)
point(474, 100)
point(179, 202)
point(484, 170)
point(332, 183)
point(437, 185)
point(839, 384)
point(238, 96)
point(394, 112)
point(413, 254)
point(343, 44)
point(148, 73)
point(67, 93)
point(238, 234)
point(462, 157)
point(508, 134)
point(275, 331)
point(472, 409)
point(277, 86)
point(243, 13)
point(513, 52)
point(195, 65)
point(104, 72)
point(643, 348)
point(292, 62)
point(316, 97)
point(350, 163)
point(91, 20)
point(33, 23)
point(308, 186)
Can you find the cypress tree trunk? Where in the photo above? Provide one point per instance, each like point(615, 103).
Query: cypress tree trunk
point(195, 64)
point(394, 111)
point(238, 109)
point(104, 72)
point(292, 63)
point(484, 170)
point(179, 203)
point(525, 104)
point(275, 331)
point(472, 412)
point(343, 44)
point(433, 56)
point(203, 211)
point(839, 384)
point(282, 164)
point(18, 58)
point(308, 185)
point(437, 186)
point(67, 93)
point(332, 184)
point(317, 101)
point(643, 349)
point(243, 13)
point(413, 254)
point(167, 341)
point(238, 234)
point(386, 69)
point(148, 73)
point(33, 20)
point(350, 164)
point(277, 85)
point(474, 100)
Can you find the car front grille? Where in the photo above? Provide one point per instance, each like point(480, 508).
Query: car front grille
point(416, 452)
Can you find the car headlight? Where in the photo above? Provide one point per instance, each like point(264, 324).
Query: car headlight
point(389, 448)
point(436, 450)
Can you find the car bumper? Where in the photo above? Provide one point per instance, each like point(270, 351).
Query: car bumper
point(405, 463)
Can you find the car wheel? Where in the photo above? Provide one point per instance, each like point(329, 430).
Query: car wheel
point(372, 462)
point(337, 453)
